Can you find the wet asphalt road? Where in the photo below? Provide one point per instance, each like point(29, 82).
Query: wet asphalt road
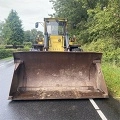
point(50, 109)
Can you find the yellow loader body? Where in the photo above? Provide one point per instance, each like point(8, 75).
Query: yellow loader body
point(56, 43)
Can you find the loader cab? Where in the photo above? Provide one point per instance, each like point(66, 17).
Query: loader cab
point(55, 27)
point(54, 36)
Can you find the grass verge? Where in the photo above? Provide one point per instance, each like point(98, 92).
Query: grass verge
point(112, 78)
point(8, 58)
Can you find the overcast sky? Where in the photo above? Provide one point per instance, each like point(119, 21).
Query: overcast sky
point(29, 11)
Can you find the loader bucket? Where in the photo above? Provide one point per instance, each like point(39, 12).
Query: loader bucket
point(57, 75)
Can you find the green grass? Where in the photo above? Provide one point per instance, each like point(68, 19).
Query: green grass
point(8, 58)
point(112, 78)
point(111, 62)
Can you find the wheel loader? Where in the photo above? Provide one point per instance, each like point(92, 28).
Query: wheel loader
point(57, 68)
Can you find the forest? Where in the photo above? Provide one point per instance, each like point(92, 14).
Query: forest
point(97, 24)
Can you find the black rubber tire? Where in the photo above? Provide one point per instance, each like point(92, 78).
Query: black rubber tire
point(76, 49)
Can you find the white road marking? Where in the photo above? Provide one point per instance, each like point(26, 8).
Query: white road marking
point(98, 109)
point(101, 115)
point(94, 104)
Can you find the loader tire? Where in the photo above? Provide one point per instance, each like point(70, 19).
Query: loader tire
point(76, 50)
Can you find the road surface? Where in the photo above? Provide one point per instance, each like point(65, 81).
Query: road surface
point(88, 109)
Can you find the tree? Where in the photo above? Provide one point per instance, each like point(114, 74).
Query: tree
point(94, 19)
point(34, 35)
point(13, 31)
point(31, 35)
point(1, 32)
point(105, 22)
point(27, 36)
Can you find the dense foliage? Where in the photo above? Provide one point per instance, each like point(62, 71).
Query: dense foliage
point(4, 53)
point(94, 18)
point(1, 32)
point(31, 35)
point(107, 47)
point(97, 24)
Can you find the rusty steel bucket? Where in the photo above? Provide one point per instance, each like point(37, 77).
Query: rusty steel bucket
point(57, 75)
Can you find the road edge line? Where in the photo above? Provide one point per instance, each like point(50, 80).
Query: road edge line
point(98, 109)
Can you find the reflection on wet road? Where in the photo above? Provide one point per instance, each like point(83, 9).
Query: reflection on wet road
point(48, 109)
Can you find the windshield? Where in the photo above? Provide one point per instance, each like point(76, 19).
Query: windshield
point(55, 28)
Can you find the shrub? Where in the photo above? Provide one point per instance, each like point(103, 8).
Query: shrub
point(28, 44)
point(25, 49)
point(4, 53)
point(13, 46)
point(106, 46)
point(2, 46)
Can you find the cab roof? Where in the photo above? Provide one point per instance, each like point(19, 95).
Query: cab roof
point(55, 19)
